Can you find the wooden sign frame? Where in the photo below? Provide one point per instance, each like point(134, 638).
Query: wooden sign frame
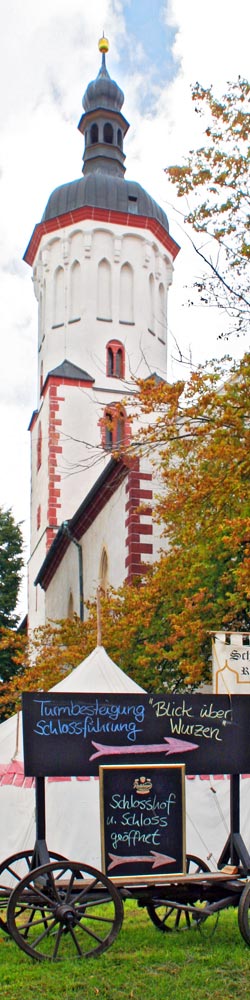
point(142, 810)
point(72, 734)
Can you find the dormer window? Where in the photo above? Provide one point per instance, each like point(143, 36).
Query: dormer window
point(108, 133)
point(132, 204)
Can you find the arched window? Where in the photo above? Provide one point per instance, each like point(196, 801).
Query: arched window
point(126, 294)
point(94, 134)
point(119, 363)
point(115, 359)
point(58, 297)
point(109, 430)
point(103, 572)
point(151, 303)
point(115, 427)
point(119, 137)
point(108, 133)
point(40, 319)
point(104, 290)
point(70, 606)
point(162, 313)
point(39, 447)
point(75, 291)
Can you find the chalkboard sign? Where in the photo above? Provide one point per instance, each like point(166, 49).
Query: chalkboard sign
point(72, 734)
point(142, 821)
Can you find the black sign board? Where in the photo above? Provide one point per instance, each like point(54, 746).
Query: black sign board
point(142, 821)
point(73, 734)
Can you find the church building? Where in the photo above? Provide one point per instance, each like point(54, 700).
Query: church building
point(102, 260)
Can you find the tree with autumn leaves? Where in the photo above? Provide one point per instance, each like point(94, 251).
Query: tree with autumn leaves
point(159, 629)
point(213, 188)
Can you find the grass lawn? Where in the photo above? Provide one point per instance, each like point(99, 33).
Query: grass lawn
point(142, 964)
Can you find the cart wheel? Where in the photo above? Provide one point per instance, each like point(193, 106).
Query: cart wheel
point(66, 907)
point(12, 870)
point(168, 918)
point(243, 913)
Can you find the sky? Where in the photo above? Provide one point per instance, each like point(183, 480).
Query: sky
point(48, 55)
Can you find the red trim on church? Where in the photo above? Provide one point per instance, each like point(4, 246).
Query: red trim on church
point(54, 450)
point(99, 215)
point(136, 529)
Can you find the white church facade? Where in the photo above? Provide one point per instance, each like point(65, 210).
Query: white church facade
point(102, 260)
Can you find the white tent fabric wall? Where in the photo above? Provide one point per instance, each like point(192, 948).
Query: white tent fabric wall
point(72, 805)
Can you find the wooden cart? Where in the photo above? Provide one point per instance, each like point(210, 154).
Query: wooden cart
point(54, 907)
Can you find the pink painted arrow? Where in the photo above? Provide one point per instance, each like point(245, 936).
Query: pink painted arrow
point(173, 746)
point(157, 860)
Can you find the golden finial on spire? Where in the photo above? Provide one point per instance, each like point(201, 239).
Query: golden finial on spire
point(103, 44)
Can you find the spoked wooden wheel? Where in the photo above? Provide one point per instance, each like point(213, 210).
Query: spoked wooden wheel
point(169, 918)
point(12, 870)
point(64, 910)
point(244, 913)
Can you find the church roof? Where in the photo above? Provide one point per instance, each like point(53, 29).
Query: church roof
point(103, 92)
point(67, 370)
point(103, 185)
point(100, 190)
point(103, 188)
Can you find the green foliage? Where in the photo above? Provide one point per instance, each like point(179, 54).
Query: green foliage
point(11, 565)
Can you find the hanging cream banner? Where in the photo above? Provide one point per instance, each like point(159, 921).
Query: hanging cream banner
point(231, 664)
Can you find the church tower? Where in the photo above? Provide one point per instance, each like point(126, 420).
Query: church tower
point(102, 260)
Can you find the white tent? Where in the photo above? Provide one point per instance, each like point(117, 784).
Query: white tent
point(72, 804)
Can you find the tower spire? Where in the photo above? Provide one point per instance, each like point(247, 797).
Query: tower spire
point(103, 124)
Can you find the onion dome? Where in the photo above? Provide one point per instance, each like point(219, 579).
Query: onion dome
point(103, 92)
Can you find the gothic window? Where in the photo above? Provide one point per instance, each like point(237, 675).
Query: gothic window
point(58, 297)
point(75, 288)
point(108, 133)
point(151, 303)
point(94, 135)
point(103, 572)
point(115, 359)
point(162, 313)
point(104, 290)
point(39, 447)
point(126, 294)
